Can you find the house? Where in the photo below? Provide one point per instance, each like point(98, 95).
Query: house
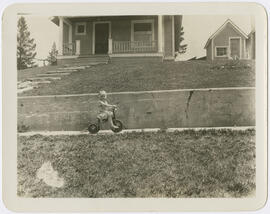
point(117, 36)
point(229, 42)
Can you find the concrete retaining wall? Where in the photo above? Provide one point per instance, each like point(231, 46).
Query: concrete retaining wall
point(166, 109)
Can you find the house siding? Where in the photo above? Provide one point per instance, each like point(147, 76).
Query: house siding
point(121, 30)
point(250, 46)
point(209, 51)
point(86, 40)
point(222, 39)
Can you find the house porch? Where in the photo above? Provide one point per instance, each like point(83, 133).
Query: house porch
point(117, 36)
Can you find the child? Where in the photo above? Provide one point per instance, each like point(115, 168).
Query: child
point(105, 109)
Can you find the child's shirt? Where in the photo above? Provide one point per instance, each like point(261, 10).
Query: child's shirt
point(103, 106)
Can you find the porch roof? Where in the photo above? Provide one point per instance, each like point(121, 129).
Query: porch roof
point(55, 19)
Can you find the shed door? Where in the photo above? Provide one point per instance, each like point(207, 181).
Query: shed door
point(235, 47)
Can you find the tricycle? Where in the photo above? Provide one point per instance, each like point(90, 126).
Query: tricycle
point(94, 128)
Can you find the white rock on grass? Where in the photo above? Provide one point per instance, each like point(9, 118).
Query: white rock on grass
point(24, 84)
point(25, 89)
point(49, 175)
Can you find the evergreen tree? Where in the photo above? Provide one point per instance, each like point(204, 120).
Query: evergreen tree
point(182, 48)
point(52, 55)
point(25, 46)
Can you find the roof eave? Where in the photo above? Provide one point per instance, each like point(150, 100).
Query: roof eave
point(55, 20)
point(221, 27)
point(207, 43)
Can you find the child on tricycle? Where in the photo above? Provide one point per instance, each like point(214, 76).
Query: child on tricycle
point(106, 113)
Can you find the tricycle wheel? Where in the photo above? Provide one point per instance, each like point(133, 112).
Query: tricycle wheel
point(119, 125)
point(93, 128)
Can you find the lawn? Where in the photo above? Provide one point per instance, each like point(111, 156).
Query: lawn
point(32, 72)
point(179, 164)
point(145, 76)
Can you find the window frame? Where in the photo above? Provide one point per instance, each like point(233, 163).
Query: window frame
point(76, 28)
point(151, 21)
point(216, 48)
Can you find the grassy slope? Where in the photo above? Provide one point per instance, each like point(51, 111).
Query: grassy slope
point(32, 72)
point(134, 76)
point(181, 164)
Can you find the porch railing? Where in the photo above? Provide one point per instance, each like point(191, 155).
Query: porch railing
point(69, 49)
point(134, 46)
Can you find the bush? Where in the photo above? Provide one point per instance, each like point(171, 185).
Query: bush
point(22, 128)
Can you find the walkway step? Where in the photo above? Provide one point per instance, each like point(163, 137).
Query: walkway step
point(96, 56)
point(74, 67)
point(43, 78)
point(43, 82)
point(60, 71)
point(55, 74)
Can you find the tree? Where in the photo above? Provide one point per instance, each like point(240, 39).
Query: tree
point(179, 35)
point(52, 55)
point(25, 46)
point(181, 48)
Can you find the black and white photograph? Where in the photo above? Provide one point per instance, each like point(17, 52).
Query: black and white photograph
point(155, 105)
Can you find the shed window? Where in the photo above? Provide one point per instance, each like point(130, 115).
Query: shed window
point(80, 28)
point(221, 51)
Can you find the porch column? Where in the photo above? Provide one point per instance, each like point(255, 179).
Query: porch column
point(110, 46)
point(70, 34)
point(160, 34)
point(78, 47)
point(60, 44)
point(173, 39)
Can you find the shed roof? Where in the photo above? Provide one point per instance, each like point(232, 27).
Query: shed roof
point(251, 32)
point(221, 28)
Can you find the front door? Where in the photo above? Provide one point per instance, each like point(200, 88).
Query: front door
point(101, 38)
point(235, 48)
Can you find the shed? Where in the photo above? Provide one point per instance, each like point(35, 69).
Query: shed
point(228, 42)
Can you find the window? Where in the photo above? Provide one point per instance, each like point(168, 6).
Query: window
point(80, 28)
point(142, 30)
point(142, 27)
point(221, 51)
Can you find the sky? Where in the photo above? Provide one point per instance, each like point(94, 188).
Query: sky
point(44, 32)
point(197, 29)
